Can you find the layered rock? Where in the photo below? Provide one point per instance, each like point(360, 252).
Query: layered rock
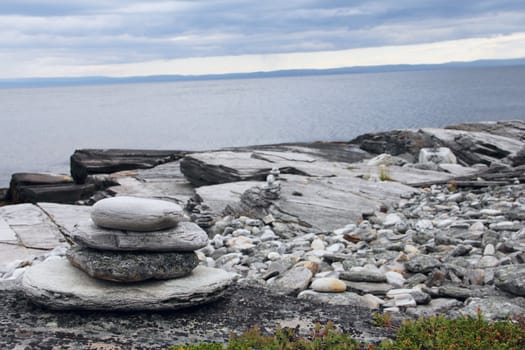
point(95, 161)
point(43, 187)
point(185, 236)
point(472, 143)
point(132, 266)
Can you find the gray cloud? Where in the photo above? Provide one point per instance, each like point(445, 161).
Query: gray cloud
point(100, 31)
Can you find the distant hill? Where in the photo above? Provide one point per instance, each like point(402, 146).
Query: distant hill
point(42, 82)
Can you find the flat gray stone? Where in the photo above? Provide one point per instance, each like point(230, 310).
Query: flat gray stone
point(422, 263)
point(32, 226)
point(136, 214)
point(363, 275)
point(132, 266)
point(450, 291)
point(58, 285)
point(368, 287)
point(186, 236)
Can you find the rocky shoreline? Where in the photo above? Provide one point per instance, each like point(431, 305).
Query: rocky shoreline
point(410, 222)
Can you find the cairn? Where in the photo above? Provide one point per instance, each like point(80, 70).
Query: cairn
point(134, 254)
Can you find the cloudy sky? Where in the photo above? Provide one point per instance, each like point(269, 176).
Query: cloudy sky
point(47, 38)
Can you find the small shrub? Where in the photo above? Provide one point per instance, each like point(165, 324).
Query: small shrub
point(382, 320)
point(473, 333)
point(321, 338)
point(288, 339)
point(384, 173)
point(200, 346)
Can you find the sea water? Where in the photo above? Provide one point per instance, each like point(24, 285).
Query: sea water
point(41, 127)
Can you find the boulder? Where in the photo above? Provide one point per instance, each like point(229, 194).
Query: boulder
point(511, 278)
point(136, 214)
point(132, 266)
point(293, 281)
point(186, 236)
point(58, 285)
point(438, 155)
point(102, 161)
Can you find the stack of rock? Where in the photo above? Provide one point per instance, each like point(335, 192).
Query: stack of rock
point(272, 188)
point(134, 254)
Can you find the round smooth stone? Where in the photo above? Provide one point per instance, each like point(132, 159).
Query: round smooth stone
point(185, 237)
point(132, 266)
point(328, 284)
point(136, 214)
point(58, 285)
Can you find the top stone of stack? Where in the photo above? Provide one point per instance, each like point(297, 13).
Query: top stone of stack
point(136, 214)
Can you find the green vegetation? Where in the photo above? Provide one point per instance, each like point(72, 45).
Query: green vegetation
point(464, 333)
point(285, 339)
point(382, 320)
point(434, 333)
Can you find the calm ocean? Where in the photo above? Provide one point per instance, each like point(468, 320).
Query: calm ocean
point(41, 127)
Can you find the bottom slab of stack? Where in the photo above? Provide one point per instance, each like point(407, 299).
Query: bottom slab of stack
point(58, 285)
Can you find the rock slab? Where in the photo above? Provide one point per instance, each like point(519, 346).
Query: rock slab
point(184, 237)
point(58, 285)
point(136, 214)
point(132, 266)
point(102, 161)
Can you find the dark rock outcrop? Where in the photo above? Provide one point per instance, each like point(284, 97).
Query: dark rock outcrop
point(95, 161)
point(397, 142)
point(472, 143)
point(37, 187)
